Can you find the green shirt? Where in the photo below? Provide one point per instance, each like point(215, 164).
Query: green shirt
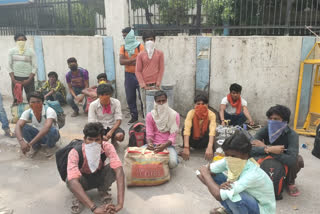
point(254, 181)
point(22, 65)
point(289, 138)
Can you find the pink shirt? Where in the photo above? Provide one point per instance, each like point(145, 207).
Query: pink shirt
point(149, 71)
point(155, 135)
point(73, 170)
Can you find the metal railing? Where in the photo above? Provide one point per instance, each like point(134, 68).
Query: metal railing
point(54, 17)
point(227, 17)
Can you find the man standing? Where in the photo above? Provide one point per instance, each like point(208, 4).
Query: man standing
point(43, 129)
point(77, 79)
point(278, 140)
point(234, 108)
point(22, 66)
point(94, 172)
point(53, 89)
point(107, 110)
point(247, 189)
point(162, 126)
point(199, 128)
point(149, 66)
point(128, 55)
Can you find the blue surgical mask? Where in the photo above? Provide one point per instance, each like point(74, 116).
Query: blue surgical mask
point(275, 129)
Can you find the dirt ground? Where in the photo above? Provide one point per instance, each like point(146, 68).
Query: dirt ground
point(33, 186)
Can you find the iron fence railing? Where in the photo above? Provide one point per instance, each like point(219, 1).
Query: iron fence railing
point(228, 17)
point(54, 17)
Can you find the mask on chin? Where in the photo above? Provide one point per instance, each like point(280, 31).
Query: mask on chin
point(93, 154)
point(73, 67)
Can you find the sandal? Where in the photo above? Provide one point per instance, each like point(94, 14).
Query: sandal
point(293, 190)
point(76, 207)
point(8, 133)
point(106, 198)
point(219, 210)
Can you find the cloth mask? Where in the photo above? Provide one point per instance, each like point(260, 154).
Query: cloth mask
point(105, 102)
point(235, 167)
point(201, 112)
point(37, 110)
point(93, 154)
point(275, 129)
point(150, 48)
point(165, 118)
point(21, 45)
point(73, 67)
point(102, 82)
point(131, 43)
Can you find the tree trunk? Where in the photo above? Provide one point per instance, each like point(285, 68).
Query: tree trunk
point(148, 17)
point(198, 17)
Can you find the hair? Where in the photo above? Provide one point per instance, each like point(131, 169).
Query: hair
point(93, 130)
point(52, 73)
point(126, 30)
point(36, 94)
point(160, 93)
point(235, 87)
point(71, 59)
point(201, 97)
point(105, 89)
point(237, 142)
point(148, 34)
point(16, 36)
point(283, 111)
point(102, 75)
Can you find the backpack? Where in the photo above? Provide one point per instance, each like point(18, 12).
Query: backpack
point(137, 135)
point(277, 173)
point(316, 148)
point(55, 105)
point(62, 157)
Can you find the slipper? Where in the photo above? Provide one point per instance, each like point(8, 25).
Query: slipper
point(293, 190)
point(219, 210)
point(76, 207)
point(106, 198)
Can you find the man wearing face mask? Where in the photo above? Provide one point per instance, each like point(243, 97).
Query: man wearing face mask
point(199, 129)
point(107, 110)
point(278, 140)
point(162, 126)
point(247, 188)
point(22, 66)
point(149, 66)
point(94, 172)
point(53, 89)
point(128, 54)
point(42, 130)
point(77, 79)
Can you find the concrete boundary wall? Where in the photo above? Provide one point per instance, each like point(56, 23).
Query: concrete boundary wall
point(266, 67)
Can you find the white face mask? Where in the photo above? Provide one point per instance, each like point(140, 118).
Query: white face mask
point(93, 154)
point(150, 48)
point(21, 45)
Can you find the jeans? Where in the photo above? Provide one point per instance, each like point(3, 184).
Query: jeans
point(247, 204)
point(131, 86)
point(56, 96)
point(70, 99)
point(3, 116)
point(29, 132)
point(235, 119)
point(173, 156)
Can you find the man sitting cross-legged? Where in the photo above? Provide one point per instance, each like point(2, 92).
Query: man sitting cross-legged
point(107, 110)
point(94, 173)
point(43, 129)
point(162, 126)
point(247, 189)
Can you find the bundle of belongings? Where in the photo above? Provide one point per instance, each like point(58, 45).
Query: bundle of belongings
point(143, 167)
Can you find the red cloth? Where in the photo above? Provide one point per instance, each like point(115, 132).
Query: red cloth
point(236, 104)
point(106, 110)
point(200, 113)
point(17, 91)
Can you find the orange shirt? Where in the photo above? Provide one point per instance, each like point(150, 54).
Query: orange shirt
point(131, 68)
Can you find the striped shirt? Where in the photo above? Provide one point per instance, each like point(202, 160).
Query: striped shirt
point(22, 65)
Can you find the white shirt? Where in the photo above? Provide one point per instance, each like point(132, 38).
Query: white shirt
point(108, 120)
point(44, 115)
point(232, 110)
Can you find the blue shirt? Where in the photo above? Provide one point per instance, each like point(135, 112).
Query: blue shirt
point(254, 181)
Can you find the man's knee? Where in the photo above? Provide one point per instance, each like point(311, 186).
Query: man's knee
point(53, 137)
point(69, 98)
point(173, 163)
